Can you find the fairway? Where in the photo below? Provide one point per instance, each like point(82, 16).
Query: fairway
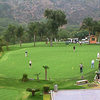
point(63, 62)
point(63, 69)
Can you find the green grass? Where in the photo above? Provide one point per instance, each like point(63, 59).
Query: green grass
point(63, 67)
point(46, 97)
point(6, 94)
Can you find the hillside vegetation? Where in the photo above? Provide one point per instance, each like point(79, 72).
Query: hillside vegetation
point(29, 10)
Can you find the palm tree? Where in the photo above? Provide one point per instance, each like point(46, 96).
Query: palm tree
point(37, 76)
point(88, 25)
point(45, 67)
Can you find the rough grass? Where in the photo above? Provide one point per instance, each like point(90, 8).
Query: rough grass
point(63, 69)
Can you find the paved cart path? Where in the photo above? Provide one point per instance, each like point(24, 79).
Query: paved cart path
point(93, 94)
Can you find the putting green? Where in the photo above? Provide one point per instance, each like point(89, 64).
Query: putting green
point(63, 62)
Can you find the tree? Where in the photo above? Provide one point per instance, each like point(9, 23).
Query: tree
point(20, 32)
point(33, 29)
point(3, 43)
point(63, 34)
point(32, 90)
point(25, 78)
point(55, 19)
point(42, 30)
point(10, 35)
point(45, 67)
point(81, 34)
point(37, 76)
point(88, 25)
point(97, 29)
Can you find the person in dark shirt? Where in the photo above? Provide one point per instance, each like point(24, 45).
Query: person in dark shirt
point(74, 48)
point(26, 53)
point(81, 68)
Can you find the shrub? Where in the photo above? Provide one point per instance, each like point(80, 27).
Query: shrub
point(25, 77)
point(32, 90)
point(46, 89)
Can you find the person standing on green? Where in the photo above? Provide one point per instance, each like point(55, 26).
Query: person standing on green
point(81, 68)
point(74, 48)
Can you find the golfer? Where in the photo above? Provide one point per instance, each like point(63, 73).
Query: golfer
point(74, 48)
point(92, 64)
point(98, 55)
point(30, 63)
point(26, 53)
point(81, 68)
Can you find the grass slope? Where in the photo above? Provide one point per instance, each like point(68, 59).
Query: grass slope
point(63, 67)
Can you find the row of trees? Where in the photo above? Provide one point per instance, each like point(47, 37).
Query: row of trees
point(51, 28)
point(92, 26)
point(37, 30)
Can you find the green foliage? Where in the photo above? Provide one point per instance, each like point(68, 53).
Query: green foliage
point(63, 34)
point(2, 43)
point(37, 76)
point(20, 31)
point(46, 89)
point(87, 24)
point(45, 67)
point(71, 28)
point(34, 28)
point(55, 19)
point(4, 22)
point(32, 90)
point(81, 34)
point(10, 35)
point(25, 78)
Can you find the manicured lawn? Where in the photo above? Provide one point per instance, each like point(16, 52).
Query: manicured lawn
point(62, 61)
point(63, 65)
point(6, 94)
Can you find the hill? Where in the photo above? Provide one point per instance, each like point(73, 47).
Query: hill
point(29, 10)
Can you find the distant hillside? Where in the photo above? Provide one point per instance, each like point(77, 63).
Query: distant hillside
point(29, 10)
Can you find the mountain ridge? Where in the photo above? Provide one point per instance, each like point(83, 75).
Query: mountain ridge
point(25, 11)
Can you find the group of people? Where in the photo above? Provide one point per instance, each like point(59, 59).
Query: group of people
point(92, 63)
point(30, 62)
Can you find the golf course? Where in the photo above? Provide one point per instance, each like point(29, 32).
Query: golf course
point(63, 63)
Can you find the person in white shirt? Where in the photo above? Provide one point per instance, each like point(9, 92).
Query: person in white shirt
point(30, 63)
point(92, 64)
point(98, 55)
point(26, 53)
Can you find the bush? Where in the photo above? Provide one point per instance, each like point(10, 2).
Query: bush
point(32, 90)
point(25, 77)
point(67, 42)
point(46, 89)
